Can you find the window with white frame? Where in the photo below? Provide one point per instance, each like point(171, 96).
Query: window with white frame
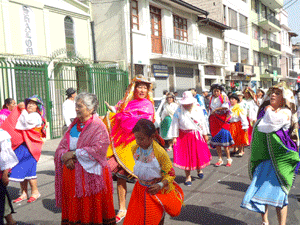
point(232, 18)
point(255, 58)
point(244, 55)
point(69, 33)
point(234, 53)
point(243, 24)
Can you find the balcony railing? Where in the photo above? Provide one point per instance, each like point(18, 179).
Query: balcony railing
point(184, 50)
point(215, 56)
point(272, 19)
point(271, 44)
point(293, 74)
point(270, 70)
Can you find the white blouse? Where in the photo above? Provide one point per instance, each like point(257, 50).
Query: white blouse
point(185, 120)
point(243, 104)
point(87, 161)
point(27, 121)
point(169, 110)
point(69, 111)
point(8, 158)
point(216, 103)
point(252, 109)
point(242, 117)
point(146, 166)
point(273, 121)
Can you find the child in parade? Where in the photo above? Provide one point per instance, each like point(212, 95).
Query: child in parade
point(8, 160)
point(238, 125)
point(219, 123)
point(189, 130)
point(155, 192)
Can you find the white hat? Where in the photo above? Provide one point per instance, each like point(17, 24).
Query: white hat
point(187, 98)
point(239, 93)
point(205, 90)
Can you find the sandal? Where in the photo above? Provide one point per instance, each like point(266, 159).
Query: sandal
point(33, 199)
point(219, 163)
point(20, 199)
point(241, 154)
point(118, 218)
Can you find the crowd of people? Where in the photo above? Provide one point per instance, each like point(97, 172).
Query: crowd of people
point(128, 144)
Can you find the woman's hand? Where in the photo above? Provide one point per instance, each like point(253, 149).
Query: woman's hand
point(70, 164)
point(154, 189)
point(108, 106)
point(206, 138)
point(245, 130)
point(174, 141)
point(68, 156)
point(21, 105)
point(5, 179)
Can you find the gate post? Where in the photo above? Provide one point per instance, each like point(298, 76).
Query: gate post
point(49, 102)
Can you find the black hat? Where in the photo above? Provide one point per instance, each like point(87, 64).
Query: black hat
point(235, 96)
point(216, 86)
point(70, 91)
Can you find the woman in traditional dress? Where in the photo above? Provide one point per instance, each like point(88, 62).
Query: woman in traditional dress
point(155, 193)
point(8, 160)
point(189, 130)
point(238, 125)
point(252, 109)
point(83, 182)
point(167, 116)
point(260, 95)
point(9, 105)
point(137, 103)
point(274, 154)
point(219, 123)
point(26, 125)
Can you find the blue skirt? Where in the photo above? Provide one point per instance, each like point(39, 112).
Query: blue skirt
point(223, 138)
point(26, 168)
point(264, 190)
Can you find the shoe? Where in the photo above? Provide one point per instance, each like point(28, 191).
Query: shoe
point(119, 219)
point(241, 154)
point(20, 199)
point(188, 183)
point(219, 163)
point(33, 199)
point(229, 162)
point(200, 175)
point(233, 153)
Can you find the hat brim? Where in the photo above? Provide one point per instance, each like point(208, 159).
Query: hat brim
point(187, 101)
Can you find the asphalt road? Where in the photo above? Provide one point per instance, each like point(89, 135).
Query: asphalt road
point(213, 200)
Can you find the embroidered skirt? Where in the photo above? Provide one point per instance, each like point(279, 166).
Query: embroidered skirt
point(26, 168)
point(149, 209)
point(223, 138)
point(165, 126)
point(191, 151)
point(264, 190)
point(92, 209)
point(239, 136)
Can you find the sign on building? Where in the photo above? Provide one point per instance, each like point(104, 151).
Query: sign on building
point(160, 70)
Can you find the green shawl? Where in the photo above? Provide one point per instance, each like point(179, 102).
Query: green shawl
point(269, 146)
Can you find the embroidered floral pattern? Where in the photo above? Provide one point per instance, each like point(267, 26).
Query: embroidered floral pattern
point(172, 172)
point(144, 156)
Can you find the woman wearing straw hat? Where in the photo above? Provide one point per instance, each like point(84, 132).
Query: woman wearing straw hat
point(189, 130)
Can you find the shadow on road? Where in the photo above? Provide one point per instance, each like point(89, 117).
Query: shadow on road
point(13, 192)
point(47, 172)
point(237, 186)
point(45, 152)
point(205, 216)
point(50, 205)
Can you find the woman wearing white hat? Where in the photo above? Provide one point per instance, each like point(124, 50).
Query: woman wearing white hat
point(189, 131)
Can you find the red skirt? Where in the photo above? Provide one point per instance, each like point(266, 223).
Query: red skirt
point(93, 209)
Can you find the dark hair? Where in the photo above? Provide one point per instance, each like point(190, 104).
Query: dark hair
point(7, 101)
point(165, 92)
point(216, 86)
point(145, 126)
point(235, 96)
point(192, 89)
point(263, 93)
point(140, 83)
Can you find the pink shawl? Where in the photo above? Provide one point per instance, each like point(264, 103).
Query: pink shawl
point(95, 140)
point(125, 121)
point(4, 113)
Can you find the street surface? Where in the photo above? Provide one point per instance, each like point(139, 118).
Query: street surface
point(213, 200)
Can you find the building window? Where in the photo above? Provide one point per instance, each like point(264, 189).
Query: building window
point(274, 61)
point(244, 55)
point(69, 32)
point(224, 15)
point(255, 6)
point(264, 11)
point(135, 15)
point(232, 18)
point(255, 32)
point(265, 60)
point(243, 24)
point(234, 53)
point(180, 28)
point(255, 58)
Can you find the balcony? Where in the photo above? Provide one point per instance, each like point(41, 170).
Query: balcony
point(293, 74)
point(269, 71)
point(215, 56)
point(273, 4)
point(175, 49)
point(269, 47)
point(270, 23)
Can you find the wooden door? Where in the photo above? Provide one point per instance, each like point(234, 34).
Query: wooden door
point(156, 35)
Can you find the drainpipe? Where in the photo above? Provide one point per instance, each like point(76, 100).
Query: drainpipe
point(131, 41)
point(93, 40)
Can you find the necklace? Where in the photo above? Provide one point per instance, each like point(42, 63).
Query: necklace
point(80, 125)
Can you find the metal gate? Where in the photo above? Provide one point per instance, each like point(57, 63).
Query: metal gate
point(106, 81)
